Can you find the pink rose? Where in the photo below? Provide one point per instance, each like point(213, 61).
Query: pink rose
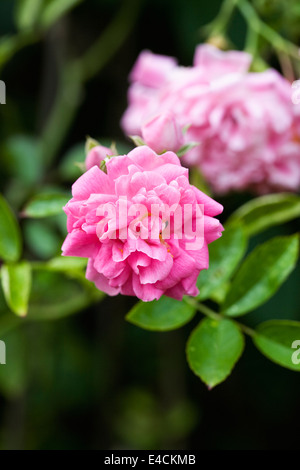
point(217, 63)
point(162, 132)
point(132, 223)
point(153, 74)
point(152, 70)
point(149, 74)
point(96, 155)
point(245, 123)
point(248, 131)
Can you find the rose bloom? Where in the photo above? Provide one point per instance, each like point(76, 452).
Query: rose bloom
point(246, 124)
point(124, 257)
point(163, 133)
point(96, 155)
point(147, 92)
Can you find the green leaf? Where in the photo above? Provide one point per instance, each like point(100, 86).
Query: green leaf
point(224, 256)
point(10, 236)
point(161, 315)
point(219, 294)
point(279, 341)
point(53, 296)
point(261, 274)
point(72, 267)
point(65, 263)
point(213, 349)
point(267, 211)
point(45, 205)
point(27, 12)
point(16, 284)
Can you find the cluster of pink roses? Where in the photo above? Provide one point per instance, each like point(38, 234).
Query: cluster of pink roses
point(246, 125)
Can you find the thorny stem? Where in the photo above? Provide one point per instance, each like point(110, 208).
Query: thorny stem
point(217, 316)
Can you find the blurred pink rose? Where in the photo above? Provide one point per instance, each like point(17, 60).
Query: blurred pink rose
point(162, 132)
point(96, 155)
point(248, 130)
point(152, 70)
point(246, 124)
point(149, 74)
point(153, 74)
point(217, 63)
point(124, 255)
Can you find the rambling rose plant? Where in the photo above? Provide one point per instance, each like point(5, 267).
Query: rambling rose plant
point(138, 227)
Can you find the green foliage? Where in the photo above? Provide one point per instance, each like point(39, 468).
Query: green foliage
point(65, 264)
point(224, 256)
point(10, 236)
point(278, 340)
point(161, 315)
point(45, 205)
point(284, 15)
point(217, 343)
point(16, 284)
point(213, 349)
point(27, 13)
point(261, 274)
point(266, 211)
